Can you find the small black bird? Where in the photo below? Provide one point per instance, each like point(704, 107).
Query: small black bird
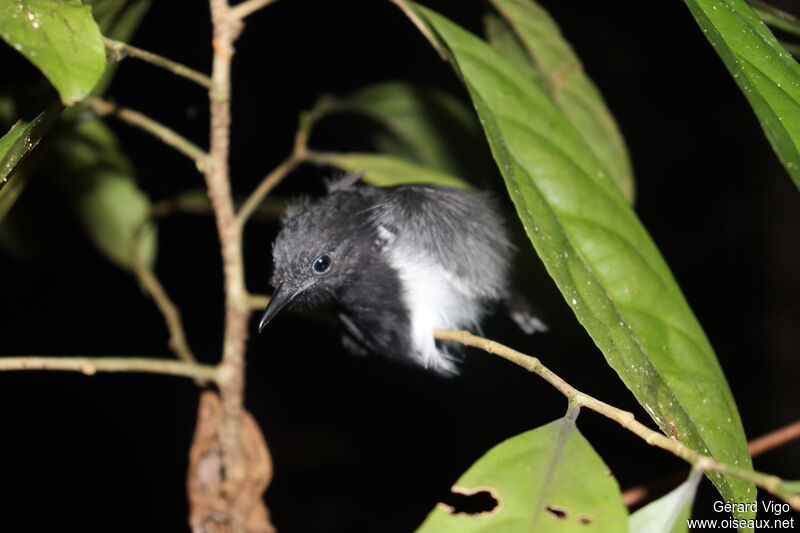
point(396, 263)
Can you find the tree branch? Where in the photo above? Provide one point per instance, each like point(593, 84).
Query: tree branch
point(156, 129)
point(91, 365)
point(237, 309)
point(770, 483)
point(122, 50)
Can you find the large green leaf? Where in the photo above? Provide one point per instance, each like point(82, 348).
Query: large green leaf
point(61, 38)
point(385, 170)
point(600, 256)
point(15, 145)
point(112, 209)
point(547, 479)
point(561, 73)
point(423, 124)
point(766, 73)
point(669, 513)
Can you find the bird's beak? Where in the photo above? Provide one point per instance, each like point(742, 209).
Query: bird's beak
point(282, 297)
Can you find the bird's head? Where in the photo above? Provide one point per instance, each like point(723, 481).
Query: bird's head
point(317, 252)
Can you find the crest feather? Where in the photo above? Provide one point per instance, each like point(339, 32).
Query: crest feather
point(294, 206)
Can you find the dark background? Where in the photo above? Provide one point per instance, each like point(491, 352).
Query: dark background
point(360, 444)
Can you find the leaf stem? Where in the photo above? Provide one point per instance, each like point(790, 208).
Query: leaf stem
point(91, 365)
point(122, 50)
point(770, 483)
point(156, 129)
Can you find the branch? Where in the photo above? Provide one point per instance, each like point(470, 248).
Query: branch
point(770, 483)
point(757, 446)
point(248, 7)
point(172, 316)
point(156, 129)
point(265, 187)
point(237, 310)
point(774, 439)
point(122, 50)
point(257, 302)
point(298, 155)
point(90, 365)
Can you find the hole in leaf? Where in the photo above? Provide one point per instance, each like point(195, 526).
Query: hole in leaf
point(557, 512)
point(477, 501)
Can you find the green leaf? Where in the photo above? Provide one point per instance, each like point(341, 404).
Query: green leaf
point(61, 38)
point(15, 146)
point(22, 138)
point(669, 513)
point(114, 212)
point(547, 479)
point(766, 73)
point(561, 74)
point(423, 124)
point(385, 170)
point(503, 39)
point(601, 258)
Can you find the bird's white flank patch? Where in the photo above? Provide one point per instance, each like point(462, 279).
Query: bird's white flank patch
point(433, 302)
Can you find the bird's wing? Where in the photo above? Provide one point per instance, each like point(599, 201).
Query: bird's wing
point(459, 231)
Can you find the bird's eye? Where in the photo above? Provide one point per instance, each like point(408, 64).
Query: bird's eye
point(321, 264)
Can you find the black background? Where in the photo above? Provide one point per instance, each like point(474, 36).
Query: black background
point(362, 445)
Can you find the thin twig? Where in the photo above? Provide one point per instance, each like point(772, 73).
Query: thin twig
point(248, 7)
point(122, 50)
point(172, 316)
point(257, 302)
point(770, 483)
point(774, 439)
point(265, 187)
point(156, 129)
point(91, 365)
point(298, 155)
point(757, 446)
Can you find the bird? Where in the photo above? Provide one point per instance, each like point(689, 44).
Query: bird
point(396, 263)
